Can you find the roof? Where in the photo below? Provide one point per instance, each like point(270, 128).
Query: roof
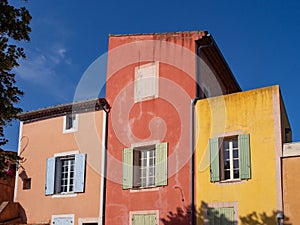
point(164, 33)
point(64, 109)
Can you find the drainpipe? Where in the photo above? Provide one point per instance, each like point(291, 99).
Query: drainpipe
point(192, 128)
point(106, 110)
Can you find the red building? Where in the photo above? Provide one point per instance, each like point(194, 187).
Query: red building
point(153, 82)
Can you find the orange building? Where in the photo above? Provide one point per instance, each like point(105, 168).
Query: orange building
point(291, 183)
point(152, 82)
point(60, 178)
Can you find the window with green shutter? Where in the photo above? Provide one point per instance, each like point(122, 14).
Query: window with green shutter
point(221, 216)
point(143, 219)
point(145, 166)
point(230, 158)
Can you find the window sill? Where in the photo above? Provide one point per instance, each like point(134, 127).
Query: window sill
point(229, 182)
point(64, 195)
point(146, 189)
point(72, 130)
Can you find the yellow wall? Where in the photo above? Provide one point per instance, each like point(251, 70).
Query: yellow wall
point(256, 112)
point(41, 140)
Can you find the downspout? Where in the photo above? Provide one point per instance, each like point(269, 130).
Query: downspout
point(192, 164)
point(106, 110)
point(192, 128)
point(17, 170)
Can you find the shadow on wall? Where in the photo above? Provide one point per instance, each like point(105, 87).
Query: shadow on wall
point(207, 216)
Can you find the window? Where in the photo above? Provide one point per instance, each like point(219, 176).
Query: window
point(146, 82)
point(145, 167)
point(63, 219)
point(148, 217)
point(26, 183)
point(70, 123)
point(230, 158)
point(65, 170)
point(221, 216)
point(65, 174)
point(144, 219)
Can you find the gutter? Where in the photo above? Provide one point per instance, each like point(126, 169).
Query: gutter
point(106, 109)
point(199, 96)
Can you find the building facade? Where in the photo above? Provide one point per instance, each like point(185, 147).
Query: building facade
point(290, 167)
point(239, 147)
point(151, 81)
point(60, 179)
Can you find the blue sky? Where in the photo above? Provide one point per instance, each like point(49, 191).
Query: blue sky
point(258, 38)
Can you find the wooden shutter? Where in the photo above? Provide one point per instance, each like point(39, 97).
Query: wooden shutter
point(245, 164)
point(62, 221)
point(79, 173)
point(214, 159)
point(127, 169)
point(50, 176)
point(144, 219)
point(221, 216)
point(227, 215)
point(161, 164)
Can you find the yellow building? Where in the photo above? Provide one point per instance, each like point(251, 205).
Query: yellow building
point(239, 145)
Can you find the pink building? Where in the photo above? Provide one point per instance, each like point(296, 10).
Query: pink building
point(60, 180)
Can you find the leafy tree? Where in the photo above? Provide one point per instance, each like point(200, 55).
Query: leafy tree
point(14, 27)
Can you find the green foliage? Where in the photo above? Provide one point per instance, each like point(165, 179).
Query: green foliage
point(14, 27)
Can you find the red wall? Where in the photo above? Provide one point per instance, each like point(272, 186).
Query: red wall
point(165, 119)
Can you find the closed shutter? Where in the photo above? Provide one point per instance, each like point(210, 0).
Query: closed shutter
point(144, 219)
point(161, 164)
point(212, 216)
point(150, 219)
point(138, 219)
point(79, 172)
point(214, 159)
point(127, 169)
point(63, 221)
point(245, 164)
point(50, 176)
point(227, 215)
point(221, 216)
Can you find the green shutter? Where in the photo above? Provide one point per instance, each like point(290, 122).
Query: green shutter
point(214, 159)
point(138, 219)
point(127, 168)
point(161, 164)
point(144, 219)
point(226, 215)
point(245, 165)
point(221, 216)
point(211, 214)
point(150, 219)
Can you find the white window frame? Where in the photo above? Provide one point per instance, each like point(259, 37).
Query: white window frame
point(74, 127)
point(145, 212)
point(72, 216)
point(140, 84)
point(231, 159)
point(70, 161)
point(147, 168)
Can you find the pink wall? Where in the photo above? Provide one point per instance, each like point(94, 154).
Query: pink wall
point(41, 140)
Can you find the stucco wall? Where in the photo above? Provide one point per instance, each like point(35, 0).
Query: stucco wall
point(290, 181)
point(41, 140)
point(254, 112)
